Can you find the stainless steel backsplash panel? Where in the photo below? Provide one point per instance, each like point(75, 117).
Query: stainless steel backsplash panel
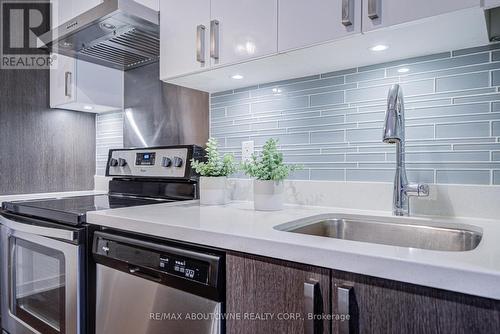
point(158, 114)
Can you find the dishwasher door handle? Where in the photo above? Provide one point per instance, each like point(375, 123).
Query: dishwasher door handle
point(137, 272)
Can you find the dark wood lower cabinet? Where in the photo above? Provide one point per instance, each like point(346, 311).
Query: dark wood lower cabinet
point(385, 306)
point(268, 296)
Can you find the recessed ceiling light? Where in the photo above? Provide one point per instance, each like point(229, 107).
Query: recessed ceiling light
point(379, 47)
point(403, 70)
point(237, 77)
point(88, 107)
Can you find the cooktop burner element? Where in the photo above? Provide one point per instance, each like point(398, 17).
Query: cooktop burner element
point(73, 210)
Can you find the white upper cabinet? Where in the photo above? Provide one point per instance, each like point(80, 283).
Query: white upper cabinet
point(273, 40)
point(242, 30)
point(197, 35)
point(62, 81)
point(184, 34)
point(383, 13)
point(306, 22)
point(82, 86)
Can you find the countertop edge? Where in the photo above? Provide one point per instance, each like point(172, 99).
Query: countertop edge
point(429, 275)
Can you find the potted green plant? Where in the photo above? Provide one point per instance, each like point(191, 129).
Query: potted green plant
point(213, 175)
point(269, 172)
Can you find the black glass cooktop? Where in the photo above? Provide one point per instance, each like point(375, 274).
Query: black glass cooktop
point(73, 210)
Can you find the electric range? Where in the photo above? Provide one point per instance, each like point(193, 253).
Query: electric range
point(46, 243)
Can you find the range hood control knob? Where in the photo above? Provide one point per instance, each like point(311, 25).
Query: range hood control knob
point(122, 162)
point(113, 162)
point(177, 162)
point(166, 162)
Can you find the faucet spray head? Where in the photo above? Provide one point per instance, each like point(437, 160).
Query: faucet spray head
point(393, 125)
point(391, 133)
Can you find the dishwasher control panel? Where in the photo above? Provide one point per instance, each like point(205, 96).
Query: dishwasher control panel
point(157, 260)
point(184, 267)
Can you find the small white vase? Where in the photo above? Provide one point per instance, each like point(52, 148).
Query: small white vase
point(213, 190)
point(268, 195)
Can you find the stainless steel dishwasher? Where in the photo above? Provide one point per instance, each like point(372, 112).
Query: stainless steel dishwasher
point(150, 287)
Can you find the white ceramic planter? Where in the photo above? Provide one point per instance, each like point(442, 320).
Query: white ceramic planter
point(268, 195)
point(213, 190)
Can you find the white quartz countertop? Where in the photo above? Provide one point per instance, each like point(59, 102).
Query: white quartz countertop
point(238, 227)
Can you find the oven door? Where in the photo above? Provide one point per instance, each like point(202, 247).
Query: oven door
point(41, 286)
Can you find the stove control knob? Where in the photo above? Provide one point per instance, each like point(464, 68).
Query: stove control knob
point(166, 162)
point(122, 162)
point(177, 162)
point(113, 162)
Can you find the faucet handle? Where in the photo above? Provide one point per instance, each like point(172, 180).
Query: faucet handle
point(417, 190)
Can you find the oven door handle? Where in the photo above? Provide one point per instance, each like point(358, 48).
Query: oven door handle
point(39, 230)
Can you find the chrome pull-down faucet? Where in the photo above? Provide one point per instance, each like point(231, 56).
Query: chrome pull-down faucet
point(394, 133)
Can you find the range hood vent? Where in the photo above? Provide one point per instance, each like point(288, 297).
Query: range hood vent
point(130, 49)
point(121, 34)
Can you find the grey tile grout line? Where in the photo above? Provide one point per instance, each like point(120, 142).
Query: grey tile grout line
point(221, 105)
point(260, 120)
point(261, 115)
point(385, 76)
point(374, 128)
point(368, 146)
point(271, 97)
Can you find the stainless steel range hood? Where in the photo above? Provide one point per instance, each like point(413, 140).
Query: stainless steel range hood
point(121, 34)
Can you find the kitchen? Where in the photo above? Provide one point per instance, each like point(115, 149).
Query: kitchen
point(265, 166)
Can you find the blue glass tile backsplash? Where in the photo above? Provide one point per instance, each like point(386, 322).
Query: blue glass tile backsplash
point(331, 123)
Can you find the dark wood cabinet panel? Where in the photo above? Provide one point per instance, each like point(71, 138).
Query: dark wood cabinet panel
point(385, 306)
point(262, 286)
point(42, 149)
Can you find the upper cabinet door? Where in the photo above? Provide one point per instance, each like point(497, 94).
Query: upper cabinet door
point(243, 30)
point(62, 81)
point(306, 22)
point(184, 37)
point(383, 13)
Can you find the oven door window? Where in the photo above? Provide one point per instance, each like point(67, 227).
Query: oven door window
point(38, 286)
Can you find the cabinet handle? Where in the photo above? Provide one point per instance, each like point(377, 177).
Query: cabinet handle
point(343, 297)
point(373, 9)
point(68, 78)
point(200, 43)
point(214, 39)
point(347, 12)
point(311, 289)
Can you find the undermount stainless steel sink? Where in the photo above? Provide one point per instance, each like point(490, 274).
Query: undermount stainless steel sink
point(390, 231)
